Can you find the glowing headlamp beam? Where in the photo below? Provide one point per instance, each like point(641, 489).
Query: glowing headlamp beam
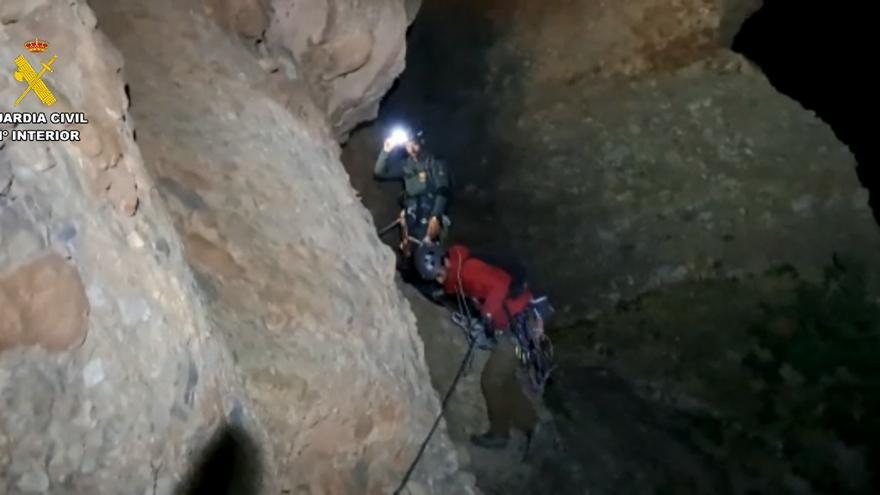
point(398, 137)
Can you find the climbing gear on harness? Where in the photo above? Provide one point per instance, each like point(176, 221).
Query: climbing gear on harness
point(542, 308)
point(533, 347)
point(429, 260)
point(475, 331)
point(406, 239)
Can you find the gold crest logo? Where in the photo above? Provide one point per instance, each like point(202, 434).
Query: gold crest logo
point(27, 74)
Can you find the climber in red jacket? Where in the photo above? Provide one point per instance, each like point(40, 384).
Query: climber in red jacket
point(460, 273)
point(500, 296)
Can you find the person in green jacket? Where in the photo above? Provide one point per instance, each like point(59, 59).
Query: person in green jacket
point(427, 188)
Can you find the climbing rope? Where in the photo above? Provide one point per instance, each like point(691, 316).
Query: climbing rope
point(462, 306)
point(446, 398)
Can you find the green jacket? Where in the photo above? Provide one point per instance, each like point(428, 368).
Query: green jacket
point(425, 178)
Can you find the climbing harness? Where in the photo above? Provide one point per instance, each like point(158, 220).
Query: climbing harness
point(404, 234)
point(533, 349)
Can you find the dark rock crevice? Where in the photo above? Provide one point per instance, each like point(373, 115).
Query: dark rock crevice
point(817, 52)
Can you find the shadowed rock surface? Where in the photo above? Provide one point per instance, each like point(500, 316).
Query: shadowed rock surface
point(621, 149)
point(85, 237)
point(194, 300)
point(241, 313)
point(651, 154)
point(349, 52)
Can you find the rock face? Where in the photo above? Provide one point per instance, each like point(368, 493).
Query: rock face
point(649, 155)
point(693, 166)
point(242, 329)
point(43, 303)
point(350, 52)
point(620, 148)
point(109, 379)
point(696, 174)
point(707, 360)
point(353, 51)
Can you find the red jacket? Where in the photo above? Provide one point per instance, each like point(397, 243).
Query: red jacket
point(486, 283)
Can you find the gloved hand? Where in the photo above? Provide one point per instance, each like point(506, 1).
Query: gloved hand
point(433, 229)
point(388, 146)
point(406, 248)
point(484, 334)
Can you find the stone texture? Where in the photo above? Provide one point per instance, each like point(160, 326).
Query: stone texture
point(348, 53)
point(650, 155)
point(247, 17)
point(723, 177)
point(296, 283)
point(619, 148)
point(689, 352)
point(625, 38)
point(90, 415)
point(351, 52)
point(246, 294)
point(106, 141)
point(43, 303)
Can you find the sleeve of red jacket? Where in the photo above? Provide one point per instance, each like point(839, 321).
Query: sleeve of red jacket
point(458, 254)
point(494, 304)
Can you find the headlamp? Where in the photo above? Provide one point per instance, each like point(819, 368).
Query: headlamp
point(398, 137)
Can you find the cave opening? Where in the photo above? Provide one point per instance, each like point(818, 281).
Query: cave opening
point(817, 53)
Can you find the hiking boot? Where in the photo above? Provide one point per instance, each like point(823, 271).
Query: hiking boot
point(489, 440)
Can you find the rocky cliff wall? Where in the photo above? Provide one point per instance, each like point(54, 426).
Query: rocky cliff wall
point(210, 288)
point(109, 375)
point(618, 146)
point(658, 155)
point(349, 52)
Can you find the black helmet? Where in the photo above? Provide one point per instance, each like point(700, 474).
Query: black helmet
point(419, 138)
point(429, 260)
